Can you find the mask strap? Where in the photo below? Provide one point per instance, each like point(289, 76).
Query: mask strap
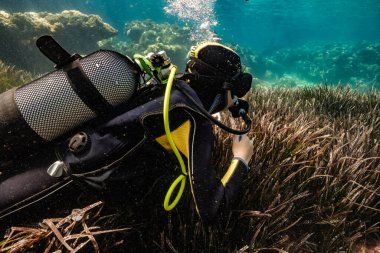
point(193, 61)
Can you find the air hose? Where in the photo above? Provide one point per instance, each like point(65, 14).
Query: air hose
point(206, 114)
point(182, 178)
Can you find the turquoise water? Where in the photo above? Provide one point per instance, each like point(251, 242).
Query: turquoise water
point(257, 24)
point(326, 38)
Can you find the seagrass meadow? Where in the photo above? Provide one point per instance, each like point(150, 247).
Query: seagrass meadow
point(314, 180)
point(314, 185)
point(11, 76)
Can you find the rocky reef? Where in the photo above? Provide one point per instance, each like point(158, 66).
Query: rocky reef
point(356, 64)
point(147, 36)
point(78, 32)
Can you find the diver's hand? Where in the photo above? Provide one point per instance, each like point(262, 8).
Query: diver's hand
point(242, 147)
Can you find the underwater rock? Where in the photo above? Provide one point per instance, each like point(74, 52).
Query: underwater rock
point(253, 63)
point(290, 81)
point(356, 64)
point(368, 55)
point(147, 36)
point(78, 32)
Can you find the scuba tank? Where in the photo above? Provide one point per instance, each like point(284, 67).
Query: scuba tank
point(80, 89)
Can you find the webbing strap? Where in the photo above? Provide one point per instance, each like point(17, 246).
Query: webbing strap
point(85, 90)
point(78, 79)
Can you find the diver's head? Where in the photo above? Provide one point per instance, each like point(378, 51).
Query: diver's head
point(215, 73)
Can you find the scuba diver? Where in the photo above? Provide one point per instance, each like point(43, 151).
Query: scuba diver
point(168, 114)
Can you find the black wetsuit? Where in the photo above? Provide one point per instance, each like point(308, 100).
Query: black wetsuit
point(125, 136)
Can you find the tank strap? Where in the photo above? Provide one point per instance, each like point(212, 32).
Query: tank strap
point(78, 79)
point(84, 88)
point(54, 52)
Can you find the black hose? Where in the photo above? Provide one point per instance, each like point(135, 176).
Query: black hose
point(215, 103)
point(205, 113)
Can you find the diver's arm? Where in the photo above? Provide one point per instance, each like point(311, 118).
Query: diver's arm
point(242, 149)
point(212, 195)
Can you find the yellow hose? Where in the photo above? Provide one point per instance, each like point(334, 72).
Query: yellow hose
point(181, 178)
